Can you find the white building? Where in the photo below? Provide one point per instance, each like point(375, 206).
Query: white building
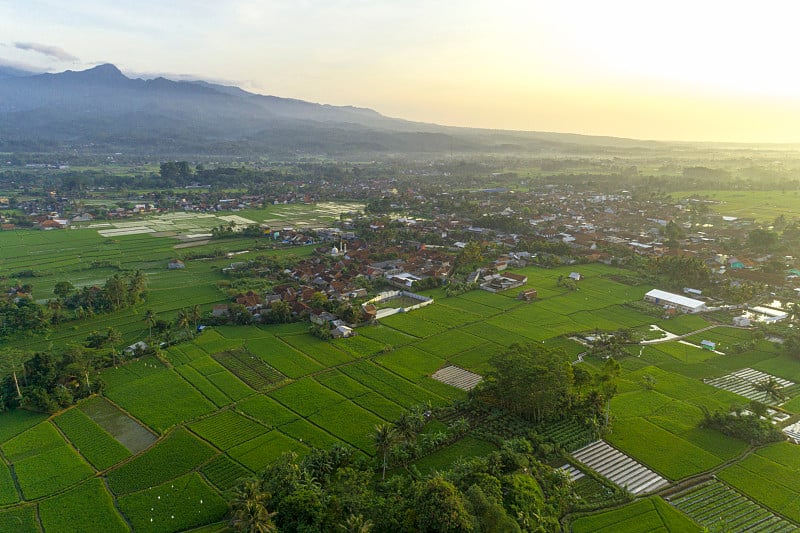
point(675, 301)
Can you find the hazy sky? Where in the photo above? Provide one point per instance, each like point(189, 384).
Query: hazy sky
point(699, 70)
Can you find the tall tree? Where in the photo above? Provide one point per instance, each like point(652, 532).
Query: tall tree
point(150, 320)
point(771, 389)
point(249, 509)
point(384, 438)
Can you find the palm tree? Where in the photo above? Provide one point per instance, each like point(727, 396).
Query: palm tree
point(183, 320)
point(150, 320)
point(356, 524)
point(195, 314)
point(12, 361)
point(113, 337)
point(771, 389)
point(406, 427)
point(249, 510)
point(384, 437)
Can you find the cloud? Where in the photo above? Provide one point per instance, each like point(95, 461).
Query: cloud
point(50, 51)
point(19, 65)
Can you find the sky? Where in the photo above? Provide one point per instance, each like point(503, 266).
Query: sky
point(701, 70)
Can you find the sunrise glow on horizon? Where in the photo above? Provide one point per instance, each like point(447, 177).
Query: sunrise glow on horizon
point(694, 71)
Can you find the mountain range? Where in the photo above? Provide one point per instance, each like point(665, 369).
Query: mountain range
point(102, 109)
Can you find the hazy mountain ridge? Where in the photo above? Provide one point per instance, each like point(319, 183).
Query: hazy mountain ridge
point(103, 107)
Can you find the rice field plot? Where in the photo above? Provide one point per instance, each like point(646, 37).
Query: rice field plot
point(626, 317)
point(249, 368)
point(283, 357)
point(449, 343)
point(383, 407)
point(221, 378)
point(386, 336)
point(306, 397)
point(308, 434)
point(488, 299)
point(160, 400)
point(494, 333)
point(208, 336)
point(477, 359)
point(651, 514)
point(321, 351)
point(178, 453)
point(769, 476)
point(523, 331)
point(43, 462)
point(411, 324)
point(67, 512)
point(350, 423)
point(591, 320)
point(619, 468)
point(669, 454)
point(131, 371)
point(446, 316)
point(130, 433)
point(8, 491)
point(22, 518)
point(444, 458)
point(12, 423)
point(389, 385)
point(344, 385)
point(410, 362)
point(446, 391)
point(227, 429)
point(718, 507)
point(683, 324)
point(257, 453)
point(779, 364)
point(203, 385)
point(461, 304)
point(359, 346)
point(266, 410)
point(683, 352)
point(224, 473)
point(685, 389)
point(92, 442)
point(222, 345)
point(176, 505)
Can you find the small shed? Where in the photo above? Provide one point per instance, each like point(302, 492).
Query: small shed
point(708, 345)
point(575, 276)
point(342, 332)
point(175, 264)
point(135, 348)
point(528, 295)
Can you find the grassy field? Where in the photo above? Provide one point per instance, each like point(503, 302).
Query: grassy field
point(235, 398)
point(763, 206)
point(651, 514)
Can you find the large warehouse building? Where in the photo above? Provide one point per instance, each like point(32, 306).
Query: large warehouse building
point(675, 301)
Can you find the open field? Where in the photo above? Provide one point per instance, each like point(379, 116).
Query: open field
point(763, 206)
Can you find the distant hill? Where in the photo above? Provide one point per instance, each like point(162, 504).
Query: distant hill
point(102, 109)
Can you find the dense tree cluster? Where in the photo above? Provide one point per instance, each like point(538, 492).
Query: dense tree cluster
point(749, 427)
point(48, 382)
point(118, 292)
point(336, 490)
point(538, 384)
